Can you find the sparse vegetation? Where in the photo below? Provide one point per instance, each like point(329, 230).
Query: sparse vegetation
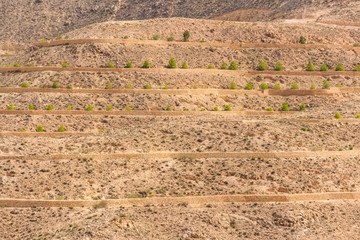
point(156, 37)
point(172, 63)
point(31, 107)
point(269, 109)
point(277, 86)
point(279, 66)
point(223, 66)
point(337, 115)
point(310, 67)
point(89, 108)
point(233, 66)
point(338, 85)
point(184, 65)
point(61, 129)
point(249, 86)
point(170, 39)
point(357, 68)
point(147, 86)
point(263, 86)
point(108, 108)
point(11, 107)
point(101, 204)
point(69, 87)
point(108, 86)
point(227, 108)
point(294, 86)
point(233, 85)
point(302, 40)
point(24, 85)
point(128, 86)
point(302, 107)
point(69, 108)
point(262, 66)
point(49, 107)
point(39, 129)
point(312, 86)
point(217, 109)
point(146, 64)
point(55, 85)
point(211, 66)
point(166, 86)
point(326, 84)
point(128, 65)
point(186, 36)
point(110, 65)
point(339, 67)
point(128, 108)
point(22, 130)
point(16, 64)
point(323, 68)
point(64, 64)
point(168, 109)
point(285, 107)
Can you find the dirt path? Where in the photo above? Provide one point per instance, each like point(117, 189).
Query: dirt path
point(179, 71)
point(270, 92)
point(193, 200)
point(238, 46)
point(208, 155)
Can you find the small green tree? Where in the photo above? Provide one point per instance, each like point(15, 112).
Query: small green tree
point(285, 107)
point(279, 66)
point(263, 86)
point(227, 108)
point(184, 65)
point(249, 86)
point(312, 87)
point(357, 68)
point(89, 108)
point(128, 108)
point(69, 87)
point(69, 108)
point(233, 85)
point(108, 108)
point(49, 107)
point(324, 68)
point(262, 66)
point(277, 86)
point(64, 64)
point(39, 129)
point(108, 86)
point(339, 67)
point(172, 63)
point(31, 107)
point(223, 66)
point(11, 107)
point(22, 130)
point(156, 37)
point(294, 86)
point(16, 64)
point(147, 86)
point(166, 86)
point(186, 36)
point(55, 85)
point(128, 86)
point(24, 85)
point(302, 40)
point(269, 109)
point(233, 66)
point(146, 64)
point(358, 116)
point(326, 84)
point(217, 109)
point(110, 65)
point(129, 65)
point(338, 116)
point(168, 109)
point(302, 107)
point(61, 129)
point(310, 67)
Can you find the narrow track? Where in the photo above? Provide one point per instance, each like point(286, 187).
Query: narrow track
point(191, 200)
point(270, 92)
point(178, 71)
point(207, 155)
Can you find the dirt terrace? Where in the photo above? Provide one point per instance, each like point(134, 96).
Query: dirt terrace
point(228, 221)
point(88, 178)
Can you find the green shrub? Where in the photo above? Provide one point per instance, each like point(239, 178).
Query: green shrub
point(22, 130)
point(170, 39)
point(341, 149)
point(108, 86)
point(128, 65)
point(233, 66)
point(310, 67)
point(126, 37)
point(43, 40)
point(326, 84)
point(211, 66)
point(39, 129)
point(24, 85)
point(233, 85)
point(269, 109)
point(302, 107)
point(168, 109)
point(128, 86)
point(31, 107)
point(357, 68)
point(339, 67)
point(338, 85)
point(147, 86)
point(294, 86)
point(166, 86)
point(351, 148)
point(202, 40)
point(279, 66)
point(110, 65)
point(184, 65)
point(55, 85)
point(358, 116)
point(16, 64)
point(156, 37)
point(108, 108)
point(337, 115)
point(223, 66)
point(285, 107)
point(89, 108)
point(262, 66)
point(61, 129)
point(227, 108)
point(249, 86)
point(11, 107)
point(312, 86)
point(186, 36)
point(49, 107)
point(217, 109)
point(128, 108)
point(277, 86)
point(324, 68)
point(146, 64)
point(64, 64)
point(302, 40)
point(172, 63)
point(202, 109)
point(263, 86)
point(69, 87)
point(69, 108)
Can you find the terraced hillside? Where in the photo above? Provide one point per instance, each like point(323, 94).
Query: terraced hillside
point(97, 144)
